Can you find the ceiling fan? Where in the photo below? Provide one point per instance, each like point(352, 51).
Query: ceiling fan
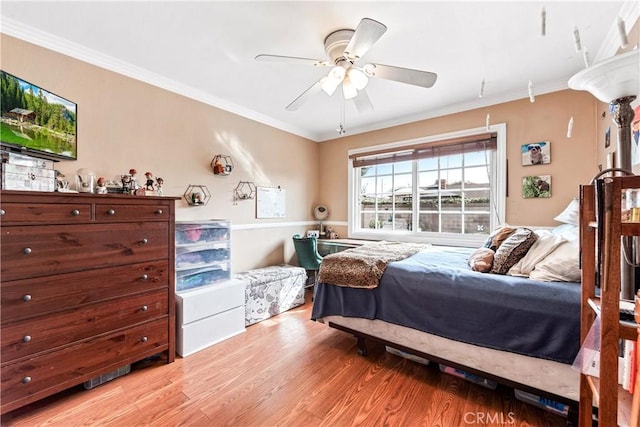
point(344, 48)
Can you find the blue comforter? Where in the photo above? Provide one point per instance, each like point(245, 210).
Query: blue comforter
point(436, 292)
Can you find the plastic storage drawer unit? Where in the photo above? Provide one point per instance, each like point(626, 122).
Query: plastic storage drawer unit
point(203, 253)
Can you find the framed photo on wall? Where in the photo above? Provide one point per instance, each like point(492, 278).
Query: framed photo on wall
point(536, 153)
point(536, 187)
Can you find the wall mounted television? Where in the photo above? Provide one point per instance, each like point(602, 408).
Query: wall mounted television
point(36, 122)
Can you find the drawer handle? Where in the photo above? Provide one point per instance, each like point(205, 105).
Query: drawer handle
point(144, 308)
point(2, 212)
point(26, 380)
point(144, 339)
point(26, 338)
point(111, 212)
point(144, 241)
point(75, 212)
point(26, 251)
point(145, 277)
point(159, 212)
point(26, 297)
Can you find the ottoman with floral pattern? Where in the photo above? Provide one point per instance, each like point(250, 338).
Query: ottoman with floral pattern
point(272, 290)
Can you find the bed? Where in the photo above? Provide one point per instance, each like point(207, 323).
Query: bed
point(516, 331)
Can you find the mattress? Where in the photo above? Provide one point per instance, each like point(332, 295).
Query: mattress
point(435, 291)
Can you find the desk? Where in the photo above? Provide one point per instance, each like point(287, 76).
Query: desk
point(331, 246)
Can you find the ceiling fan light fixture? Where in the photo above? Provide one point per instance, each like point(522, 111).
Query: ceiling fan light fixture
point(358, 78)
point(349, 89)
point(332, 80)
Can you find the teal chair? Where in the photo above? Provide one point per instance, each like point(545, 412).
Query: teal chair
point(308, 256)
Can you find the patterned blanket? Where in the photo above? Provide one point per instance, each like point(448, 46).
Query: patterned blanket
point(362, 267)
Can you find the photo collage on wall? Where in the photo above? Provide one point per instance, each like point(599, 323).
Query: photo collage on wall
point(536, 186)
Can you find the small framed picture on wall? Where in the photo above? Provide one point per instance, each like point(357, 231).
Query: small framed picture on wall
point(607, 137)
point(536, 187)
point(536, 153)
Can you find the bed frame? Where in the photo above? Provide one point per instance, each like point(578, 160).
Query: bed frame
point(554, 380)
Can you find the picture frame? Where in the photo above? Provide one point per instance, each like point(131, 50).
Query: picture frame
point(536, 187)
point(536, 153)
point(607, 137)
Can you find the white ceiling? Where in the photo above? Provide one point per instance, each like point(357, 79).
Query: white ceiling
point(206, 49)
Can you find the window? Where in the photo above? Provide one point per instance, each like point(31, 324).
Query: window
point(447, 189)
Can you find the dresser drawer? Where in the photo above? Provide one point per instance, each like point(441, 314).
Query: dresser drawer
point(29, 380)
point(46, 213)
point(141, 212)
point(33, 251)
point(26, 298)
point(35, 335)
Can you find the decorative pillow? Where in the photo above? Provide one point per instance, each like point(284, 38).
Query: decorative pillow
point(561, 265)
point(513, 249)
point(496, 238)
point(546, 243)
point(481, 260)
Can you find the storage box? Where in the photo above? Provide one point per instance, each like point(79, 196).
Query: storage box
point(542, 402)
point(208, 315)
point(26, 173)
point(476, 379)
point(272, 290)
point(94, 382)
point(406, 355)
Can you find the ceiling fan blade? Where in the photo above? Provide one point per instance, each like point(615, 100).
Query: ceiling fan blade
point(294, 60)
point(367, 33)
point(362, 102)
point(304, 96)
point(403, 75)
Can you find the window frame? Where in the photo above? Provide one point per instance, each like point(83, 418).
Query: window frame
point(498, 185)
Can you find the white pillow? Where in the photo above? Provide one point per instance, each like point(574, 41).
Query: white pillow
point(561, 265)
point(547, 242)
point(570, 214)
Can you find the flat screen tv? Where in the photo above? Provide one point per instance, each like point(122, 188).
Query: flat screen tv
point(36, 122)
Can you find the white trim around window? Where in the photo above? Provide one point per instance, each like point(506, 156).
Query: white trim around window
point(498, 185)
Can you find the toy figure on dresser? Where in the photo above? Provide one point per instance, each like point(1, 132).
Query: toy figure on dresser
point(149, 183)
point(62, 185)
point(159, 184)
point(134, 183)
point(101, 187)
point(127, 183)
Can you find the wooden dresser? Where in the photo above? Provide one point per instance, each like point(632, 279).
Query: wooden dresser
point(87, 286)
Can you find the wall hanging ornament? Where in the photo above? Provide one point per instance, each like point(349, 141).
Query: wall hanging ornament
point(222, 164)
point(245, 190)
point(197, 195)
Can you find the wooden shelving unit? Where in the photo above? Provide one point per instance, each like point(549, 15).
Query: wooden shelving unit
point(601, 230)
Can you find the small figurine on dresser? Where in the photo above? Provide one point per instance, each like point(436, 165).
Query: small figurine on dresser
point(127, 185)
point(62, 185)
point(149, 183)
point(159, 184)
point(134, 183)
point(101, 186)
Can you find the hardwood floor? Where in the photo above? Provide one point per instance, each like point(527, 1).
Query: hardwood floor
point(285, 371)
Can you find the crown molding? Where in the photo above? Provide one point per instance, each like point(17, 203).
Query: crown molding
point(484, 102)
point(43, 39)
point(629, 12)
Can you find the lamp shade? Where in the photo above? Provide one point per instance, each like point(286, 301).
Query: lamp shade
point(611, 79)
